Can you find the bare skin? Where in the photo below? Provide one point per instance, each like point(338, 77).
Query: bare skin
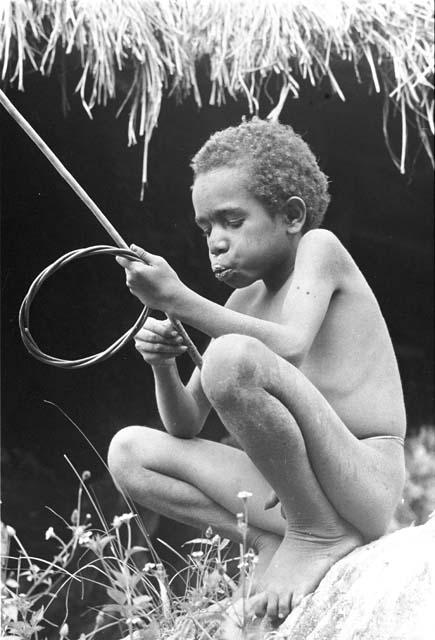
point(300, 370)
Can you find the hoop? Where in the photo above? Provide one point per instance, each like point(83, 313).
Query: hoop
point(23, 317)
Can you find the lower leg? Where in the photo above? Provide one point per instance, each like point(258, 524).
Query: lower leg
point(316, 536)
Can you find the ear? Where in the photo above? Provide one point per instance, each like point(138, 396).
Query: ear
point(295, 213)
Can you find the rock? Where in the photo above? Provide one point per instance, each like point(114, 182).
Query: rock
point(382, 591)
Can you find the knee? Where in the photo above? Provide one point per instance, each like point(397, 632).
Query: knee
point(123, 455)
point(231, 362)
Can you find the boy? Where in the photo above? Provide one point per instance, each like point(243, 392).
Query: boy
point(300, 370)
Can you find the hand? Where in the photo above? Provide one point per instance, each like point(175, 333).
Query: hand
point(158, 342)
point(155, 283)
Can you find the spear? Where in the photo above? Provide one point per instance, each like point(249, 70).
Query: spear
point(78, 189)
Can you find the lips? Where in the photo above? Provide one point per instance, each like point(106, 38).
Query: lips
point(221, 272)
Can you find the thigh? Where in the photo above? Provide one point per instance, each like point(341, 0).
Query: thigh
point(218, 470)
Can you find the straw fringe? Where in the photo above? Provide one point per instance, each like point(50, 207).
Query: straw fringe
point(244, 44)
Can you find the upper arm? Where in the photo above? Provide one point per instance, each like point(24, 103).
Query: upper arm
point(317, 274)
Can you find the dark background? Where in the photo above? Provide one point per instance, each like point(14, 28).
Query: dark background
point(383, 218)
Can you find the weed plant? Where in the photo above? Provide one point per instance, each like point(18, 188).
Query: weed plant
point(139, 601)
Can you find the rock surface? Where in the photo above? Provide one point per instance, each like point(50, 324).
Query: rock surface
point(382, 591)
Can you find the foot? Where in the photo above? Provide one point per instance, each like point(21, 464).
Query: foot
point(297, 567)
point(265, 546)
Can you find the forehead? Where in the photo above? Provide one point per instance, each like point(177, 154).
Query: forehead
point(222, 187)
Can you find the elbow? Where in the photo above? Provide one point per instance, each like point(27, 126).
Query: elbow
point(183, 431)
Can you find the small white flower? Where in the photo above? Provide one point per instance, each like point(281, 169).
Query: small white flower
point(64, 630)
point(119, 520)
point(85, 538)
point(11, 583)
point(49, 533)
point(150, 566)
point(11, 531)
point(197, 554)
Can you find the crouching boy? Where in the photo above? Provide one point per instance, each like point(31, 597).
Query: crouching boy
point(300, 369)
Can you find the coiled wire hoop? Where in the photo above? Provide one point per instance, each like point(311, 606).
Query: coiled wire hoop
point(23, 317)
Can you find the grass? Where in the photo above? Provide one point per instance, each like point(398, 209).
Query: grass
point(140, 596)
point(139, 601)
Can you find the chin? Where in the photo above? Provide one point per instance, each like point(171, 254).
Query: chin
point(241, 282)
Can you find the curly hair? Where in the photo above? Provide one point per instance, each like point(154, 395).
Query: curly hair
point(280, 162)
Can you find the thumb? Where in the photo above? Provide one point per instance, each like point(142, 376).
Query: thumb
point(147, 257)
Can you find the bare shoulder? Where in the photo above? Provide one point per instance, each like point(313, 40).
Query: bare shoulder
point(322, 245)
point(321, 253)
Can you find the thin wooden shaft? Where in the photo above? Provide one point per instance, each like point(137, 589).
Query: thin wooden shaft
point(78, 189)
point(60, 168)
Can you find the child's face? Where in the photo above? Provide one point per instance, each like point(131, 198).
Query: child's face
point(245, 242)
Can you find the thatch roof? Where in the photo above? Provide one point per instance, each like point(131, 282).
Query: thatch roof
point(244, 44)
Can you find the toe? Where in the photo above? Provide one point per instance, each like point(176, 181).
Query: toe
point(284, 605)
point(260, 605)
point(272, 605)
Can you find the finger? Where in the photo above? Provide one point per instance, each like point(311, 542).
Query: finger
point(160, 348)
point(129, 264)
point(123, 261)
point(146, 335)
point(146, 256)
point(162, 328)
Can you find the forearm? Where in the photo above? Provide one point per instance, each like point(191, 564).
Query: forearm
point(177, 407)
point(215, 320)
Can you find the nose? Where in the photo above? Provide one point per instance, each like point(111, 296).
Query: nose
point(217, 243)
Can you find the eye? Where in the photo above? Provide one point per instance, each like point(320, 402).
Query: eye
point(205, 232)
point(234, 224)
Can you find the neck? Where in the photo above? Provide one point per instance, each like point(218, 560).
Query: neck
point(277, 277)
point(280, 273)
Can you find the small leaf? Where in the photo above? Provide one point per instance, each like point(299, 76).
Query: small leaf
point(198, 541)
point(135, 549)
point(118, 596)
point(225, 542)
point(112, 608)
point(37, 616)
point(142, 601)
point(123, 578)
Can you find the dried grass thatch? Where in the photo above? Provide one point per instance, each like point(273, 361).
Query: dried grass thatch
point(245, 42)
